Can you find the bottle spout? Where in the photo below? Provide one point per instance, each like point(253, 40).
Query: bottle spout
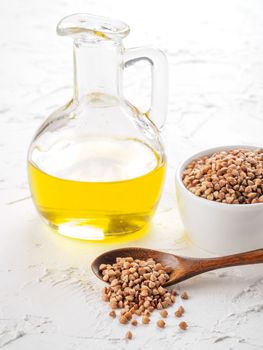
point(90, 27)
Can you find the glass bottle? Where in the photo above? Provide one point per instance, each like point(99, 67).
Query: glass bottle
point(96, 165)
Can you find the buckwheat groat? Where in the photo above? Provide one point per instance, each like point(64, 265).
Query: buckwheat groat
point(183, 325)
point(112, 314)
point(179, 312)
point(146, 320)
point(164, 313)
point(128, 335)
point(184, 296)
point(161, 323)
point(134, 322)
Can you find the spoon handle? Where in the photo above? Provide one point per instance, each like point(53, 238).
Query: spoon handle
point(197, 266)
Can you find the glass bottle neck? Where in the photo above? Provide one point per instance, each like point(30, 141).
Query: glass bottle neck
point(97, 68)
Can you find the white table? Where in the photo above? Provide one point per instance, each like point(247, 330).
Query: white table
point(49, 298)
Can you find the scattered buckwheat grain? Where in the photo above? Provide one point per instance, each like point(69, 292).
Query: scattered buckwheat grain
point(160, 323)
point(134, 322)
point(179, 312)
point(147, 313)
point(164, 313)
point(183, 325)
point(128, 335)
point(146, 320)
point(112, 314)
point(123, 320)
point(184, 296)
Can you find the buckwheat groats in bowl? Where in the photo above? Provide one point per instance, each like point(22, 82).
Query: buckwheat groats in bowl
point(234, 176)
point(220, 198)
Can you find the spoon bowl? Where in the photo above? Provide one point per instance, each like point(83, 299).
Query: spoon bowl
point(182, 267)
point(109, 257)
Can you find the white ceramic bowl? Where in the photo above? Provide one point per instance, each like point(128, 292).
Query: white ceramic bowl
point(218, 227)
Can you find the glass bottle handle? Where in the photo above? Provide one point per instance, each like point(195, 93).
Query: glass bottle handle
point(159, 70)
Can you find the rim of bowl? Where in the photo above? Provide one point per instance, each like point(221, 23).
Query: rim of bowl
point(208, 151)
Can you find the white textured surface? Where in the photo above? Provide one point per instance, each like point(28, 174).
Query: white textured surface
point(48, 297)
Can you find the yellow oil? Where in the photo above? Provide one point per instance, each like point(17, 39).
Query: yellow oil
point(97, 210)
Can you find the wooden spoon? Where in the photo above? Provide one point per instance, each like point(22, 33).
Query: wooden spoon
point(183, 267)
